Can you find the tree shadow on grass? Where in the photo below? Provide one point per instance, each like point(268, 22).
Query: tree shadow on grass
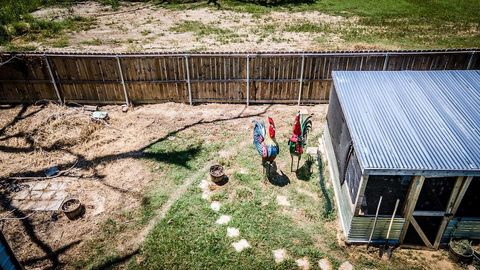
point(110, 263)
point(179, 158)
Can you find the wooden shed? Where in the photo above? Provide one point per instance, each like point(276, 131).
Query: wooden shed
point(411, 138)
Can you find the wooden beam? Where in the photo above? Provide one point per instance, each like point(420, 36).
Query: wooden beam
point(360, 194)
point(448, 211)
point(420, 232)
point(461, 193)
point(414, 192)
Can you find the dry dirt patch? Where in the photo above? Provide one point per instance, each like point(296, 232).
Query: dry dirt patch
point(103, 168)
point(145, 27)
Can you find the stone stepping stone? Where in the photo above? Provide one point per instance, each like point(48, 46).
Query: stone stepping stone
point(279, 255)
point(325, 264)
point(241, 245)
point(223, 219)
point(346, 266)
point(233, 232)
point(205, 190)
point(215, 205)
point(282, 200)
point(303, 263)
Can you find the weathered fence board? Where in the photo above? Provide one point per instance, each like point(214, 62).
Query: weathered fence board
point(207, 77)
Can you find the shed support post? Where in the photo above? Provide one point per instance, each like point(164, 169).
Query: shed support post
point(412, 198)
point(52, 80)
point(470, 61)
point(302, 67)
point(385, 64)
point(189, 83)
point(449, 210)
point(360, 194)
point(248, 80)
point(122, 80)
point(454, 204)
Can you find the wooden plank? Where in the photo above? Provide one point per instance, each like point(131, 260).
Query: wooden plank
point(448, 211)
point(360, 194)
point(420, 232)
point(412, 198)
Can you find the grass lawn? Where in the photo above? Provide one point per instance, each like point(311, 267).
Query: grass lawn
point(188, 237)
point(383, 24)
point(404, 23)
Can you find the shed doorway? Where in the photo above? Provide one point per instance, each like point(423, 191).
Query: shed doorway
point(432, 210)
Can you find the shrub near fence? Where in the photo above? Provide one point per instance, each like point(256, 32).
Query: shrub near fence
point(302, 78)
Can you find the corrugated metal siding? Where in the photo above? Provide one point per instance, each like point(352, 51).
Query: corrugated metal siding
point(413, 122)
point(361, 228)
point(341, 192)
point(462, 228)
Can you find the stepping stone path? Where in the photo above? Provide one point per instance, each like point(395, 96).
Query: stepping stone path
point(204, 186)
point(241, 245)
point(346, 266)
point(325, 264)
point(223, 219)
point(215, 205)
point(279, 255)
point(282, 200)
point(233, 232)
point(303, 263)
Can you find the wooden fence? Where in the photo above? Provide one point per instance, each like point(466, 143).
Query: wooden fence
point(301, 78)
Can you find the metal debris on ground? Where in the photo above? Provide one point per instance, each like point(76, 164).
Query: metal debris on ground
point(52, 171)
point(90, 108)
point(99, 115)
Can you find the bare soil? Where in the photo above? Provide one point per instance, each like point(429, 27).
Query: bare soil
point(143, 27)
point(102, 164)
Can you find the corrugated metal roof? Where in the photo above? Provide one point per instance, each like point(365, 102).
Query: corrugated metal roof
point(413, 122)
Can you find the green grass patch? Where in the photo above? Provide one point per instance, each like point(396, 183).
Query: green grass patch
point(307, 27)
point(201, 30)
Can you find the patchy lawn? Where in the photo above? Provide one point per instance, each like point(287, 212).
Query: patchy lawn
point(144, 180)
point(240, 26)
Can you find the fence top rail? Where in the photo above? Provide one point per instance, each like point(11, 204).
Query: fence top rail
point(243, 54)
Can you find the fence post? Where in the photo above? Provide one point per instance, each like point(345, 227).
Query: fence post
point(471, 60)
point(248, 80)
point(385, 64)
point(301, 80)
point(189, 83)
point(52, 79)
point(120, 71)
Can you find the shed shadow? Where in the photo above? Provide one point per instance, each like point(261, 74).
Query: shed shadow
point(328, 204)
